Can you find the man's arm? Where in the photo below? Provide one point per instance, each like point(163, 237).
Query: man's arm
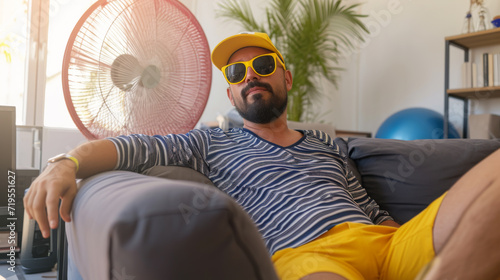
point(58, 181)
point(366, 203)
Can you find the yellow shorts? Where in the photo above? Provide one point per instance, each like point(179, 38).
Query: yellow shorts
point(359, 251)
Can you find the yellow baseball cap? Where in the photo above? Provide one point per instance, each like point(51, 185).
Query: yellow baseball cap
point(225, 49)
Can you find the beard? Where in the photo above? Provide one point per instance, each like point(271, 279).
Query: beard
point(262, 111)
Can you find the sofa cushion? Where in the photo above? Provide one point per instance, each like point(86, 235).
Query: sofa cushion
point(405, 176)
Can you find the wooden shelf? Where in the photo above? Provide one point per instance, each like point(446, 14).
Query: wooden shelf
point(466, 42)
point(477, 93)
point(351, 133)
point(476, 39)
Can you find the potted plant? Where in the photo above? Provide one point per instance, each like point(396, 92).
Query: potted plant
point(310, 34)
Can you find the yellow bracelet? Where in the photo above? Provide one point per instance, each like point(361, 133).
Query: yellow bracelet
point(65, 156)
point(72, 158)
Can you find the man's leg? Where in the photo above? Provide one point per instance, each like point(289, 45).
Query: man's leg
point(466, 231)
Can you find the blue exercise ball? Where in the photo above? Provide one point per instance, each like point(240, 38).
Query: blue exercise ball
point(415, 123)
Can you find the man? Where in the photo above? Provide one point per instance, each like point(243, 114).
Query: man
point(316, 219)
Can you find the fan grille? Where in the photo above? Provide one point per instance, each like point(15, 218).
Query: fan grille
point(138, 66)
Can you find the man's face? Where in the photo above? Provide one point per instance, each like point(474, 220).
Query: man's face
point(259, 99)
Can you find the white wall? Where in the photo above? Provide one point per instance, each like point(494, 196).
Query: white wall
point(216, 29)
point(65, 138)
point(403, 64)
point(400, 65)
point(35, 145)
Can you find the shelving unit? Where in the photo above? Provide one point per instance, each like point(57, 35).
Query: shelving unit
point(475, 92)
point(466, 42)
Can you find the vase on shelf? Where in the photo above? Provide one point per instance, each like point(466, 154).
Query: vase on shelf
point(468, 25)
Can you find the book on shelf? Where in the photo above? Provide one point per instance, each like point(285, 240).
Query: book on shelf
point(475, 82)
point(485, 69)
point(491, 69)
point(496, 69)
point(469, 75)
point(466, 75)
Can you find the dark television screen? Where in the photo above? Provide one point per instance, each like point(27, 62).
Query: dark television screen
point(7, 158)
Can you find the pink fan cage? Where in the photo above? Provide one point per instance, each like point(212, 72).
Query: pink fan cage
point(136, 66)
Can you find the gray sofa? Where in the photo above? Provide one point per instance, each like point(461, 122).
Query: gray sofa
point(143, 226)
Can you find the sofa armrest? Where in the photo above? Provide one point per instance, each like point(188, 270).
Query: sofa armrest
point(131, 225)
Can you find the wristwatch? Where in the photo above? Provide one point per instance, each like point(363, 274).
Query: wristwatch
point(64, 156)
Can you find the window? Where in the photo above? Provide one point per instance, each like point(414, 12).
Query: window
point(63, 17)
point(33, 37)
point(13, 42)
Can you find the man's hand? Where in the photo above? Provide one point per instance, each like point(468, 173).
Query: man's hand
point(390, 223)
point(57, 181)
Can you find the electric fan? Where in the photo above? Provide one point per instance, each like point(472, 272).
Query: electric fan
point(136, 66)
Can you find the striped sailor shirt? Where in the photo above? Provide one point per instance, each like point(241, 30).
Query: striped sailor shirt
point(293, 194)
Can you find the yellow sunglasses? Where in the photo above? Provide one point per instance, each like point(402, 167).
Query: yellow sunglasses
point(264, 65)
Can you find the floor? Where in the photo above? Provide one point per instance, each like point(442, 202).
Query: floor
point(18, 274)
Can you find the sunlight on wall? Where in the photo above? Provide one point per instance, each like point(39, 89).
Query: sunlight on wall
point(63, 16)
point(13, 37)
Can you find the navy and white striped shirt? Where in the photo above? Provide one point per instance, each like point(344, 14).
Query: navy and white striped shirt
point(294, 194)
